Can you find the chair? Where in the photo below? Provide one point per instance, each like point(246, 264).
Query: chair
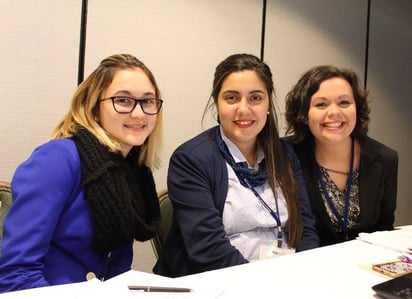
point(166, 218)
point(5, 203)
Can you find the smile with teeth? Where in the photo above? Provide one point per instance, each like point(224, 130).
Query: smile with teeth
point(134, 126)
point(244, 122)
point(333, 125)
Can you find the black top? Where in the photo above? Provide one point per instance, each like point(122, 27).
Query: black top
point(378, 171)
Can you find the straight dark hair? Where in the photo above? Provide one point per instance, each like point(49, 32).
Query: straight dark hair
point(278, 163)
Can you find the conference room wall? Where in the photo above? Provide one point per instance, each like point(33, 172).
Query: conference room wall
point(390, 83)
point(39, 46)
point(300, 35)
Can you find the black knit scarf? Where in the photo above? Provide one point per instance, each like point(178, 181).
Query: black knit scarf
point(241, 169)
point(121, 194)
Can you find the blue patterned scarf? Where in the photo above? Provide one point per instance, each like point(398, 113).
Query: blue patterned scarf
point(243, 172)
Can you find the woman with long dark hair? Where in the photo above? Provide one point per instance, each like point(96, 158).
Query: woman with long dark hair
point(237, 190)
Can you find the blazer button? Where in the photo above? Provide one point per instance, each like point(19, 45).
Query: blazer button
point(90, 276)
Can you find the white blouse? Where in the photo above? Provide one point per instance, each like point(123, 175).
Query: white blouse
point(248, 224)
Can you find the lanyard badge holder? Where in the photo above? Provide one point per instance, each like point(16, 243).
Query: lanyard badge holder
point(342, 219)
point(275, 249)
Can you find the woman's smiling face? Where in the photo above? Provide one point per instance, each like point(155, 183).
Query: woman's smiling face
point(243, 105)
point(130, 129)
point(332, 111)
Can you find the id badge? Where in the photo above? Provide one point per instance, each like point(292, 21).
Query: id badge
point(272, 250)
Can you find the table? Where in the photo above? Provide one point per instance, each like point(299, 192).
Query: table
point(338, 271)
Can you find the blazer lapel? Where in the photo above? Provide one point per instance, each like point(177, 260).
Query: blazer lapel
point(371, 170)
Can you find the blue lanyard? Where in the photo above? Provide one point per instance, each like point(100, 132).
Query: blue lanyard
point(343, 220)
point(269, 209)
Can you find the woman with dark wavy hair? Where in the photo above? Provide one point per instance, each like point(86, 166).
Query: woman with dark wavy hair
point(351, 178)
point(237, 189)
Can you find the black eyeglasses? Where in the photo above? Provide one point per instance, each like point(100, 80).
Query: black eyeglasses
point(124, 105)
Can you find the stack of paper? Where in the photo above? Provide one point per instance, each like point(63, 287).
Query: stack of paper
point(399, 240)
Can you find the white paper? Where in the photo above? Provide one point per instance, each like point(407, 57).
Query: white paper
point(399, 240)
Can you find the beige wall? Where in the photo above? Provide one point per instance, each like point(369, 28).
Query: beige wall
point(390, 84)
point(39, 44)
point(301, 35)
point(182, 42)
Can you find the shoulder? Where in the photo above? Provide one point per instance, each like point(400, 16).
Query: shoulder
point(199, 156)
point(203, 144)
point(57, 158)
point(288, 148)
point(58, 151)
point(286, 143)
point(372, 147)
point(54, 165)
point(291, 154)
point(62, 146)
point(301, 149)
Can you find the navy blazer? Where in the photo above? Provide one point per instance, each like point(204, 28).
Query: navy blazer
point(378, 171)
point(198, 185)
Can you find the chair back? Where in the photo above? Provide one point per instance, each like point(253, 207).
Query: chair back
point(5, 203)
point(166, 218)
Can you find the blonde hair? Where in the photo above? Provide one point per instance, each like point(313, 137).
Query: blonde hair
point(84, 108)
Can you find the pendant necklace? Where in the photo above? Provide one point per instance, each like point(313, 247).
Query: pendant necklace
point(342, 219)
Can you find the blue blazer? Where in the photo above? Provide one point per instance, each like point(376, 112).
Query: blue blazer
point(198, 185)
point(48, 230)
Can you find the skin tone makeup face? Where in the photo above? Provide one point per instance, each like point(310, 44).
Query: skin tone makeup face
point(242, 106)
point(332, 112)
point(130, 129)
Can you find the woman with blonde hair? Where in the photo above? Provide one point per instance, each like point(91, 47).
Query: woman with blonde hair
point(89, 192)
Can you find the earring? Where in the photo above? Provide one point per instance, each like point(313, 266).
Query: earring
point(268, 113)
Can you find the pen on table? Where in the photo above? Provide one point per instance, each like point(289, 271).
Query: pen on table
point(159, 289)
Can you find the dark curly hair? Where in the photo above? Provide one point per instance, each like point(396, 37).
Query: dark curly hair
point(298, 101)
